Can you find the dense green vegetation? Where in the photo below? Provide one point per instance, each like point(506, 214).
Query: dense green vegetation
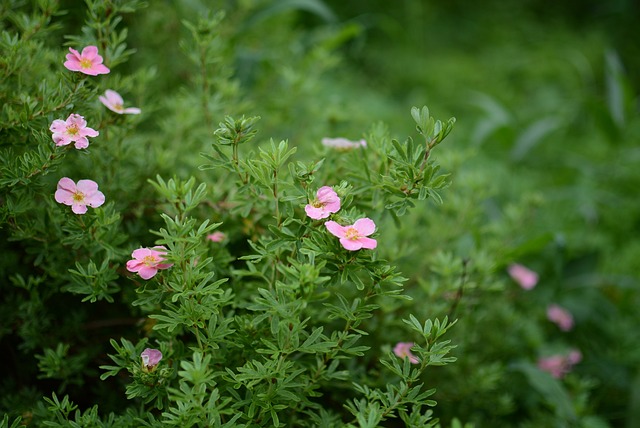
point(542, 163)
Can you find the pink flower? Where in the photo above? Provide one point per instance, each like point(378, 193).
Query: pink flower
point(74, 129)
point(113, 101)
point(79, 196)
point(342, 144)
point(326, 203)
point(216, 237)
point(523, 276)
point(560, 365)
point(354, 237)
point(560, 316)
point(150, 358)
point(89, 62)
point(147, 261)
point(403, 350)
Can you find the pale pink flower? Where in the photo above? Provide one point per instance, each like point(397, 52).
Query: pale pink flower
point(560, 365)
point(150, 358)
point(560, 316)
point(326, 203)
point(79, 196)
point(147, 261)
point(526, 278)
point(113, 101)
point(354, 237)
point(216, 236)
point(342, 144)
point(88, 62)
point(403, 350)
point(73, 130)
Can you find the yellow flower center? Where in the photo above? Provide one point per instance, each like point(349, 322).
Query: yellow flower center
point(86, 63)
point(78, 196)
point(72, 130)
point(118, 107)
point(351, 233)
point(149, 261)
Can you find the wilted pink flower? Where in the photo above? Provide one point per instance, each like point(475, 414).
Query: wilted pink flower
point(150, 358)
point(403, 350)
point(523, 276)
point(147, 261)
point(343, 144)
point(74, 129)
point(354, 237)
point(560, 365)
point(560, 316)
point(79, 196)
point(88, 62)
point(113, 101)
point(326, 203)
point(216, 237)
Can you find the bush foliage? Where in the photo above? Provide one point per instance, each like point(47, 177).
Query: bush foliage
point(262, 315)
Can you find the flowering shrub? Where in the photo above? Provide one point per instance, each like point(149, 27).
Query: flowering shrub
point(290, 278)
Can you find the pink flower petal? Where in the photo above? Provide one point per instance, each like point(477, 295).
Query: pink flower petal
point(134, 265)
point(76, 120)
point(316, 213)
point(58, 126)
point(560, 316)
point(141, 253)
point(151, 357)
point(403, 350)
point(67, 184)
point(89, 132)
point(351, 244)
point(78, 208)
point(81, 143)
point(526, 278)
point(342, 144)
point(365, 226)
point(113, 97)
point(97, 69)
point(335, 229)
point(63, 196)
point(95, 200)
point(74, 55)
point(90, 52)
point(216, 236)
point(147, 272)
point(87, 186)
point(368, 243)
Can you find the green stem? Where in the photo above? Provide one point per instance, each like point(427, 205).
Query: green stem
point(275, 196)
